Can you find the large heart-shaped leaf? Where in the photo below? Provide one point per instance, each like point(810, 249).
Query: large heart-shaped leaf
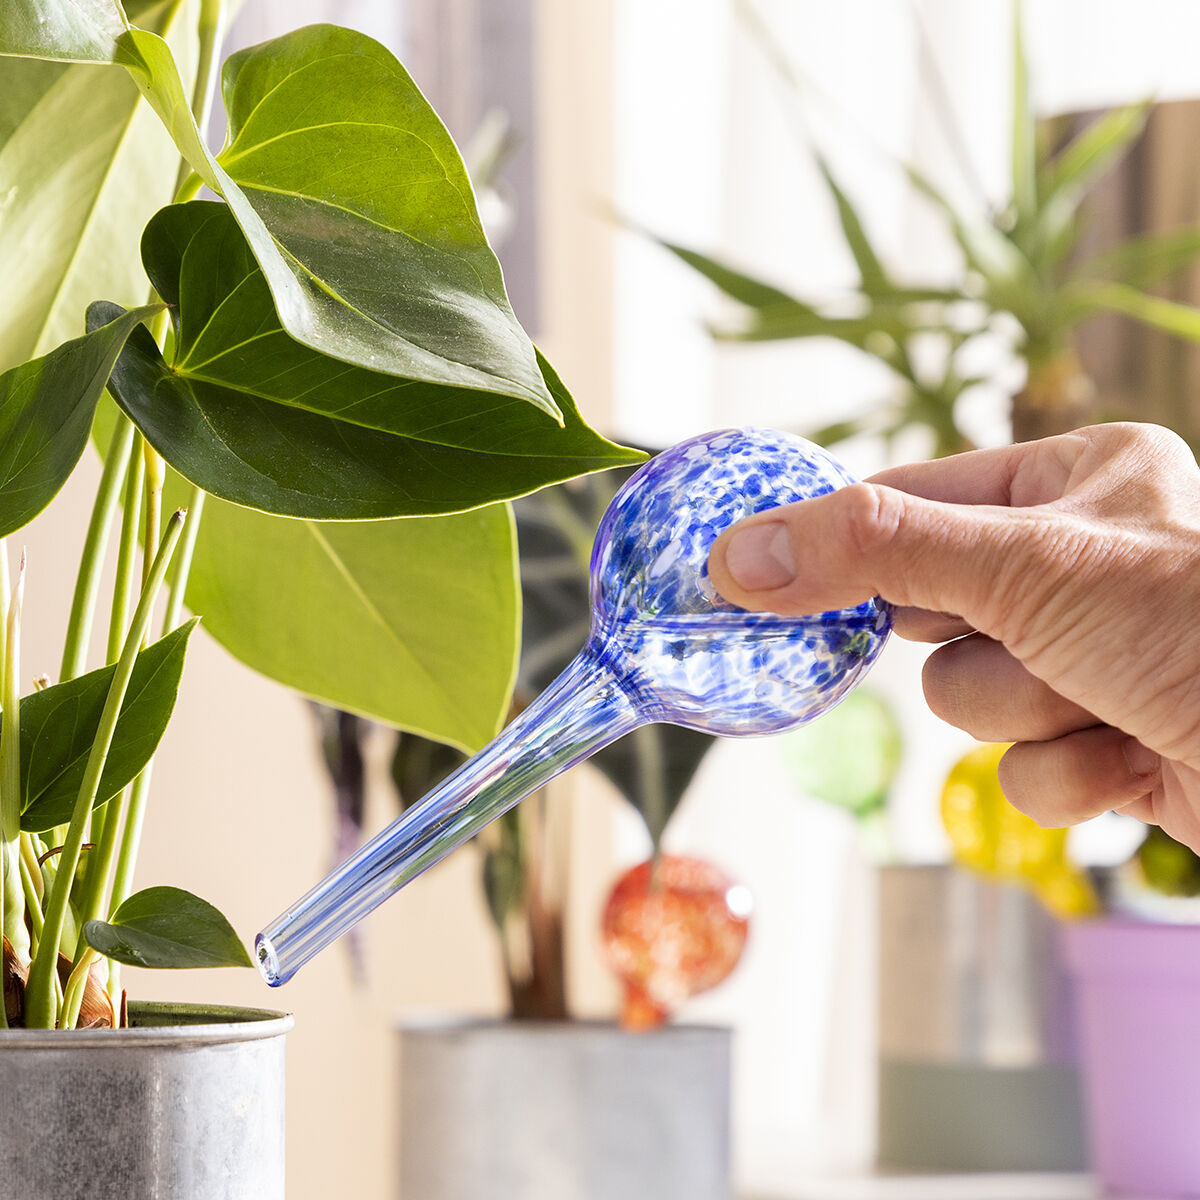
point(252, 416)
point(294, 462)
point(46, 409)
point(166, 927)
point(413, 622)
point(66, 30)
point(59, 724)
point(360, 184)
point(377, 255)
point(70, 218)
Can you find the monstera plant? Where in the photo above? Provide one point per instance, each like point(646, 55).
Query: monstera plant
point(318, 375)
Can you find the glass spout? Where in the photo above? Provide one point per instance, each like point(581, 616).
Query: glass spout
point(585, 708)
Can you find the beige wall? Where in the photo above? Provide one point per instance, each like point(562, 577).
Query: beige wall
point(240, 812)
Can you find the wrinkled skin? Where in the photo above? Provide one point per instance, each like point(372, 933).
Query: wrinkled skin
point(1062, 576)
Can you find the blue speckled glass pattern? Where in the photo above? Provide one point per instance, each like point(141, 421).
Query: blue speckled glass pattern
point(663, 647)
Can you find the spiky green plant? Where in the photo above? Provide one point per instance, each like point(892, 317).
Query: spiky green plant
point(1022, 276)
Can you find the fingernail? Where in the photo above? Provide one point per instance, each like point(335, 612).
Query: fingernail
point(1141, 760)
point(759, 557)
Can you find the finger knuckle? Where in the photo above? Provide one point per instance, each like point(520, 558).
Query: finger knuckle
point(873, 517)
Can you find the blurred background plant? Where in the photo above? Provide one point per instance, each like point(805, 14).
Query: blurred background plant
point(1024, 274)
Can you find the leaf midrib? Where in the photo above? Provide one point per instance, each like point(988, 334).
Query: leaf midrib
point(132, 699)
point(95, 202)
point(369, 606)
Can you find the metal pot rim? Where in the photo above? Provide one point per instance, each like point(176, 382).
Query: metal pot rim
point(435, 1023)
point(162, 1023)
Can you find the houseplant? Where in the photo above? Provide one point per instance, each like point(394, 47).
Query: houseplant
point(327, 352)
point(1024, 276)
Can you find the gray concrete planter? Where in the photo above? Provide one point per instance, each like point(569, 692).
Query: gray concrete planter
point(976, 1028)
point(563, 1111)
point(186, 1104)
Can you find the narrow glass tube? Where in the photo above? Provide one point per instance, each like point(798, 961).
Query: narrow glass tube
point(585, 708)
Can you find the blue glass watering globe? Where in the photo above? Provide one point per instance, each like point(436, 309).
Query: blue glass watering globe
point(663, 647)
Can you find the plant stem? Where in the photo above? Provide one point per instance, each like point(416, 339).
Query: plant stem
point(29, 856)
point(155, 477)
point(87, 583)
point(73, 994)
point(126, 554)
point(100, 863)
point(135, 799)
point(10, 773)
point(109, 814)
point(182, 568)
point(39, 990)
point(29, 882)
point(207, 70)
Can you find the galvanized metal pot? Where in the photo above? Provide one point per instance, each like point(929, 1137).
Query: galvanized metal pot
point(976, 1028)
point(186, 1104)
point(572, 1110)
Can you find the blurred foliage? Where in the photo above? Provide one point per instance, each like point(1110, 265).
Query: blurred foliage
point(1021, 276)
point(1167, 866)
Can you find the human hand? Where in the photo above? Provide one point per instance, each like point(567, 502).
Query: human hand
point(1063, 576)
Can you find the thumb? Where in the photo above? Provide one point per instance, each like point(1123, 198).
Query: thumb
point(870, 540)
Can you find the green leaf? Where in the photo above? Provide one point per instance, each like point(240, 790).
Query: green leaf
point(1024, 129)
point(504, 871)
point(411, 622)
point(870, 268)
point(166, 927)
point(46, 409)
point(368, 235)
point(744, 288)
point(59, 724)
point(70, 220)
point(784, 321)
point(1071, 175)
point(256, 418)
point(1179, 320)
point(652, 768)
point(65, 30)
point(1142, 262)
point(1008, 276)
point(290, 461)
point(840, 431)
point(364, 190)
point(369, 617)
point(419, 764)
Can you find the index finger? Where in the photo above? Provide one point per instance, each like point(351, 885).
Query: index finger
point(973, 477)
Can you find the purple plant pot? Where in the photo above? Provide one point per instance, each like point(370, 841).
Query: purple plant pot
point(1138, 989)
